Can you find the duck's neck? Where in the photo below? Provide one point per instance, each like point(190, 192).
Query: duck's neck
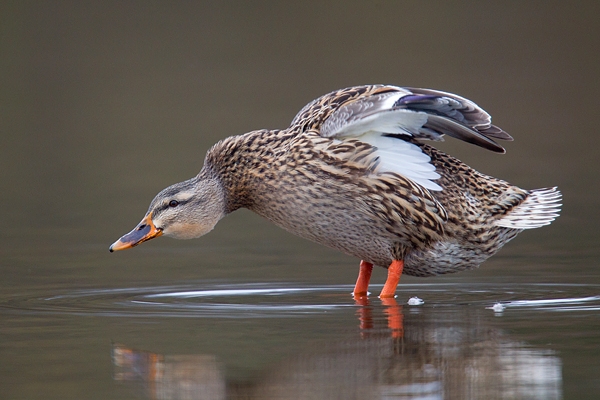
point(234, 161)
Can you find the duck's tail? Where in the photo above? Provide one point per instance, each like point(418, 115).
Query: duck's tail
point(540, 208)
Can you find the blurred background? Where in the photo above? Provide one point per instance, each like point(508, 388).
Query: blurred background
point(103, 104)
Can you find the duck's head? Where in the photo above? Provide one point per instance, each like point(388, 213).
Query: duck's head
point(185, 210)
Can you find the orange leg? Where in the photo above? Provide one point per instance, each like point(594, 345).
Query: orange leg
point(394, 272)
point(364, 276)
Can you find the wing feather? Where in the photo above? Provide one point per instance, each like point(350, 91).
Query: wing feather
point(420, 113)
point(389, 117)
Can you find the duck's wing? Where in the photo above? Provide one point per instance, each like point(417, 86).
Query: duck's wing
point(390, 118)
point(412, 112)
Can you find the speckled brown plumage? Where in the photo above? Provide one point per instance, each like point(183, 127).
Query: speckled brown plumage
point(309, 188)
point(329, 179)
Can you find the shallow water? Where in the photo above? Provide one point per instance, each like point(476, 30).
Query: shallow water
point(103, 105)
point(284, 340)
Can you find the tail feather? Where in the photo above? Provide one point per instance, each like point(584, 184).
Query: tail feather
point(540, 208)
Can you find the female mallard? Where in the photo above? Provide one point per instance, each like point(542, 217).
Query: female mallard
point(351, 173)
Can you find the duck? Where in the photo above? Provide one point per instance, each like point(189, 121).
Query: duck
point(356, 171)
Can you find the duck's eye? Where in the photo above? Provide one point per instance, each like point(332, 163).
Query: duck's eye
point(173, 203)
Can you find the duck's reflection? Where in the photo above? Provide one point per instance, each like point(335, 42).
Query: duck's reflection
point(391, 308)
point(400, 354)
point(170, 377)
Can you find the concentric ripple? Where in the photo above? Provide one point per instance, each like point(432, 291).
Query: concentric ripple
point(223, 301)
point(287, 300)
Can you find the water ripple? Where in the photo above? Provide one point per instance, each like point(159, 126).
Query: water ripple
point(287, 300)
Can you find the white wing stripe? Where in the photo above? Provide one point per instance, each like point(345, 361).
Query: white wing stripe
point(403, 158)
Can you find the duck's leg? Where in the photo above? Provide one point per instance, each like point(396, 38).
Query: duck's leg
point(364, 276)
point(394, 272)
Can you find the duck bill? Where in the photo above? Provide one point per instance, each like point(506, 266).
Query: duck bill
point(144, 231)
